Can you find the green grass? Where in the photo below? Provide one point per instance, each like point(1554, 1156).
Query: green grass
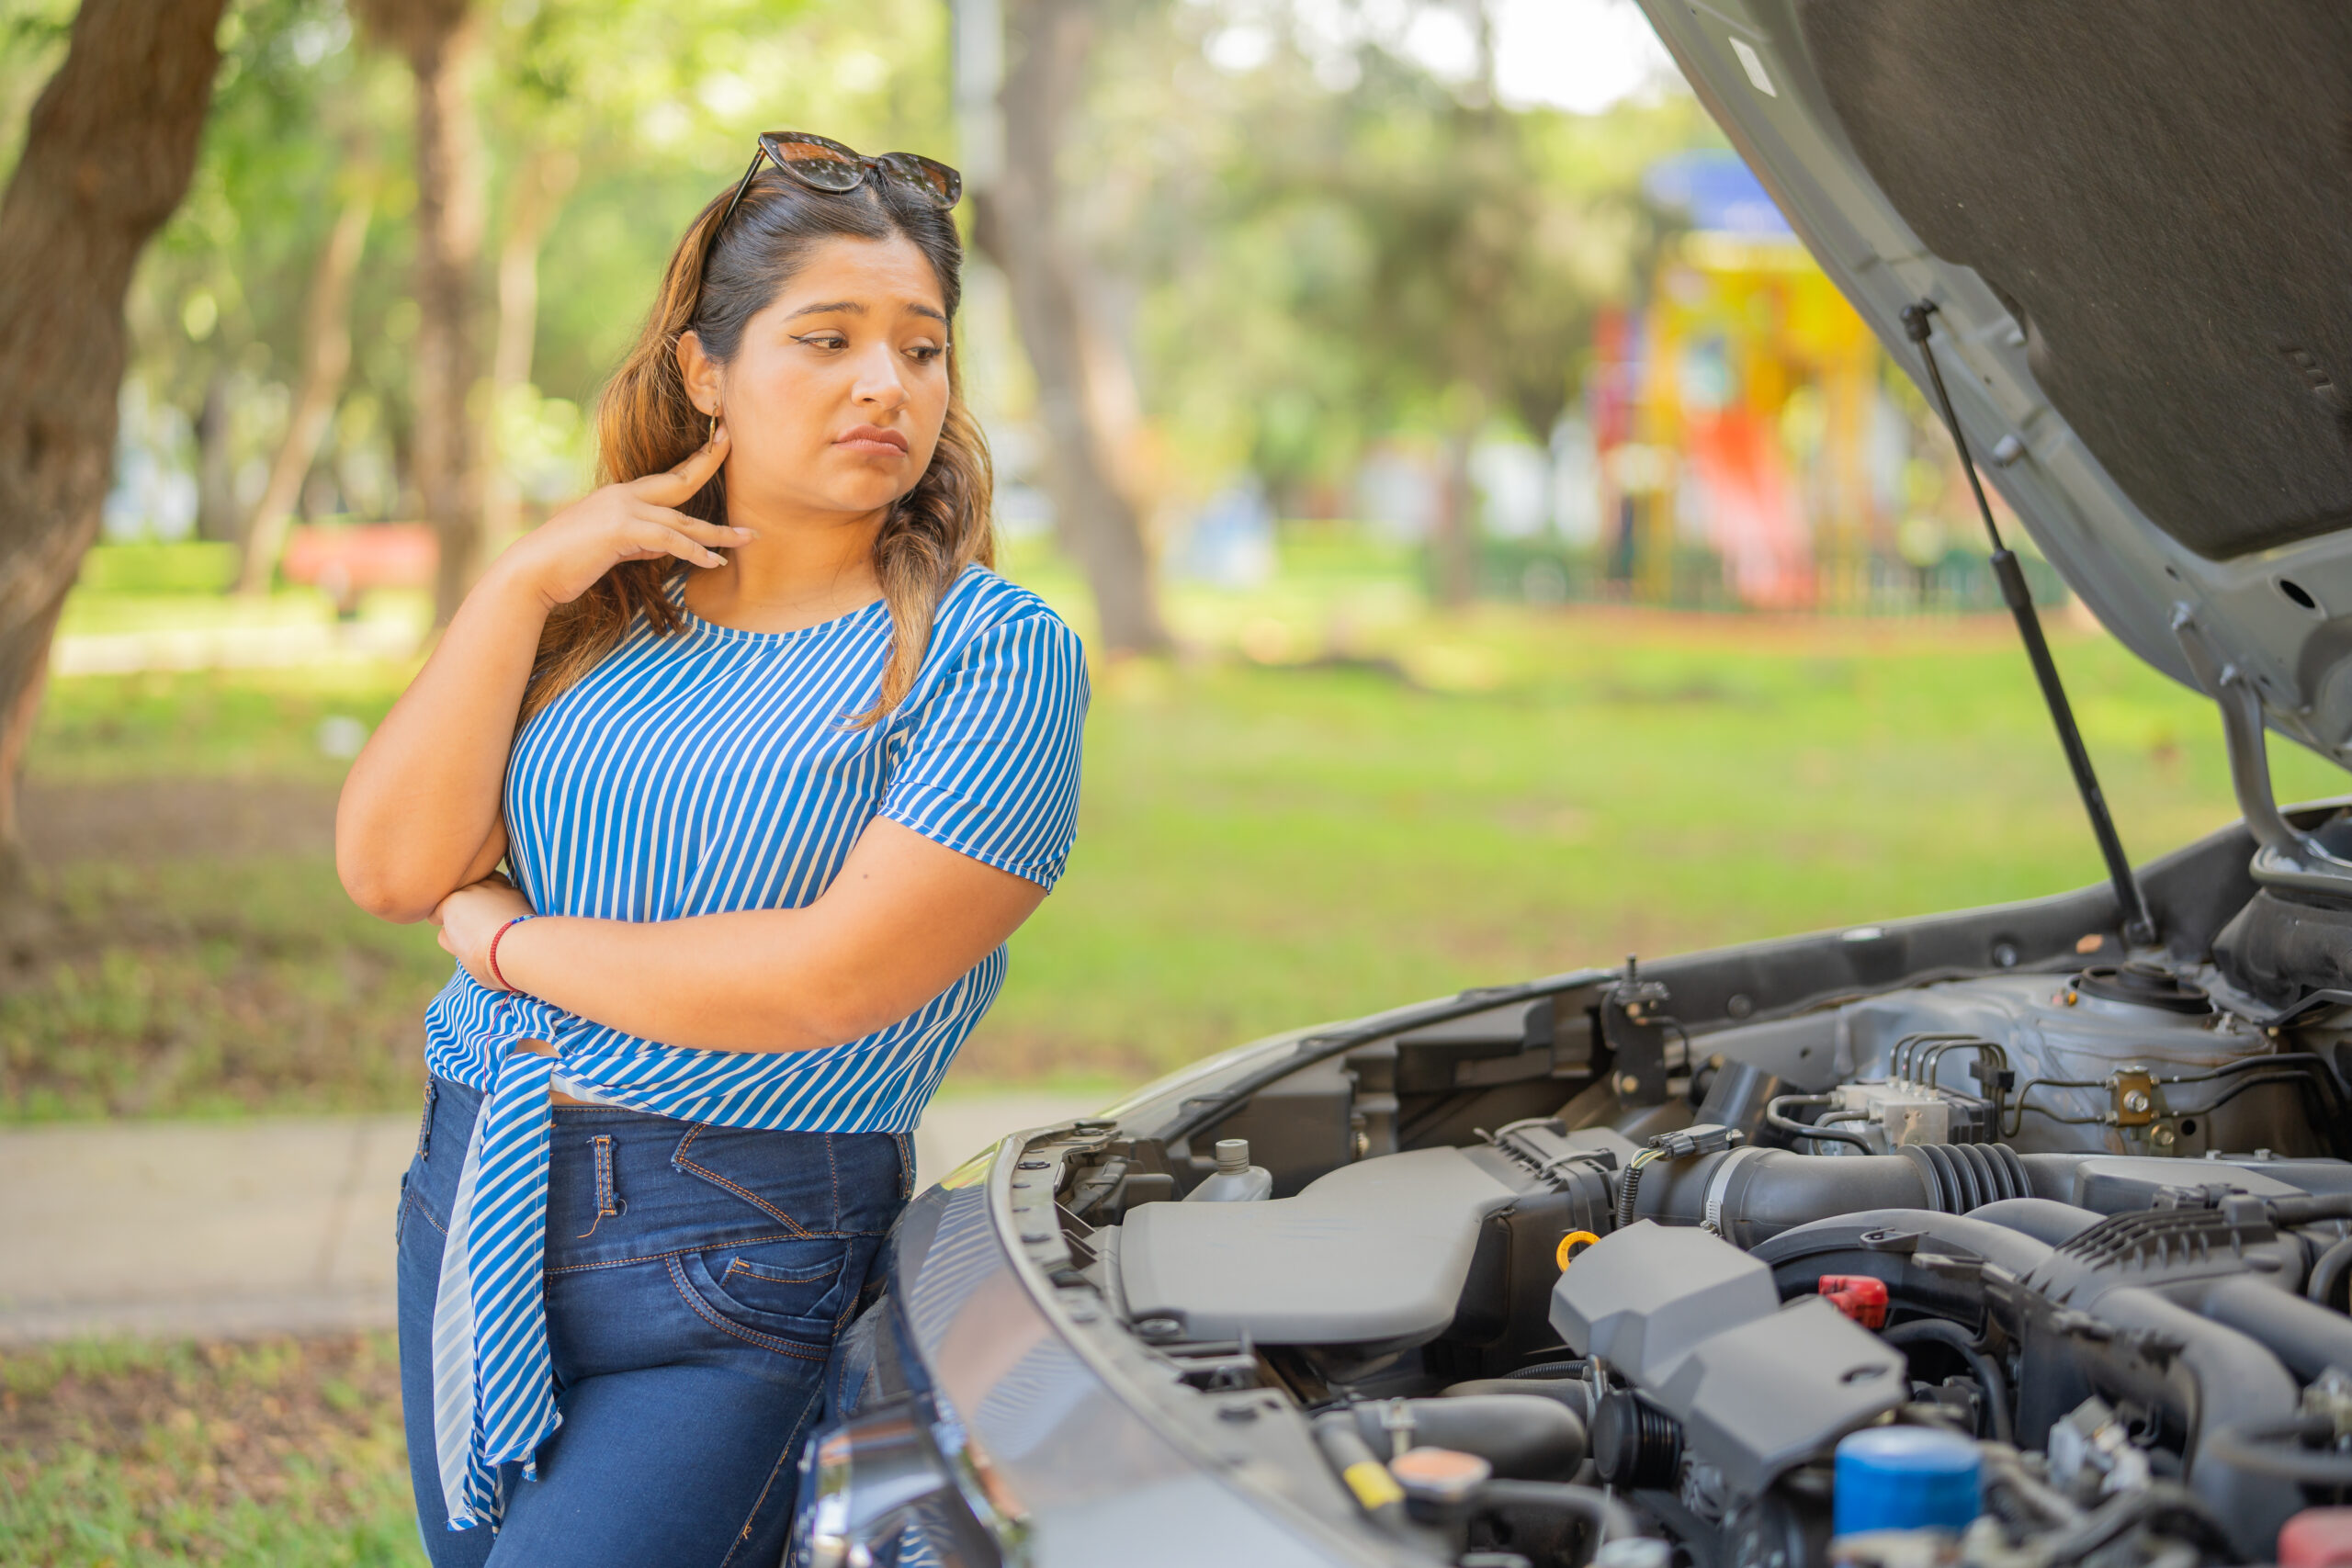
point(258, 724)
point(196, 976)
point(1261, 848)
point(115, 1453)
point(1398, 806)
point(214, 987)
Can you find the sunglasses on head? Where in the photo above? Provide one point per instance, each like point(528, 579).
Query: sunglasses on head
point(821, 163)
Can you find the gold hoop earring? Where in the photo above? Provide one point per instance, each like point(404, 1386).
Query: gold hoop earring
point(713, 436)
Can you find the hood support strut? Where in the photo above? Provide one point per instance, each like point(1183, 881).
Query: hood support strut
point(2284, 856)
point(2139, 926)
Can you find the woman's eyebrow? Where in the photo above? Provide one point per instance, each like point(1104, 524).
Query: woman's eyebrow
point(852, 308)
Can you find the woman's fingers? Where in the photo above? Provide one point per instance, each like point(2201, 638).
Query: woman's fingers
point(718, 534)
point(689, 476)
point(683, 536)
point(659, 539)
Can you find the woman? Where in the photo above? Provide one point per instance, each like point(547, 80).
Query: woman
point(777, 764)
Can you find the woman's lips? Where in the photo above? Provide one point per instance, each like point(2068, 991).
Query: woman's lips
point(873, 438)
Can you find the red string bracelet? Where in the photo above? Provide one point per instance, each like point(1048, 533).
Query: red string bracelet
point(498, 936)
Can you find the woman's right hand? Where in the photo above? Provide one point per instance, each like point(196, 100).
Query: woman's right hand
point(565, 556)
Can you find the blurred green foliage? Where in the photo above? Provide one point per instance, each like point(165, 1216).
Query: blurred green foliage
point(658, 104)
point(1290, 261)
point(1321, 267)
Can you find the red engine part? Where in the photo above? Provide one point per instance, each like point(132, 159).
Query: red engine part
point(2316, 1537)
point(1859, 1296)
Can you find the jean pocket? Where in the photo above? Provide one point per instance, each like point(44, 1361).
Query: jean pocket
point(793, 1291)
point(742, 1272)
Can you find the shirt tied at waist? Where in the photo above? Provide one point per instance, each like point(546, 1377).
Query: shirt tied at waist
point(494, 1382)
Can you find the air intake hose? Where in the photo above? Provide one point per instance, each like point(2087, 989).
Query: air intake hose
point(1751, 1194)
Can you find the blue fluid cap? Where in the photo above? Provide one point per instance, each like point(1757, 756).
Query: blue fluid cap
point(1905, 1478)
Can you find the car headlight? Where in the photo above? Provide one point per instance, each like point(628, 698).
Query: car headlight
point(900, 1464)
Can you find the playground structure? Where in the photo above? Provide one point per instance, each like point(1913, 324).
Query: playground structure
point(1752, 449)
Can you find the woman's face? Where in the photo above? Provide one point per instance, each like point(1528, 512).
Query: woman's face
point(835, 397)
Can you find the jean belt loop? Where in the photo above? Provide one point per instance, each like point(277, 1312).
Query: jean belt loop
point(609, 1198)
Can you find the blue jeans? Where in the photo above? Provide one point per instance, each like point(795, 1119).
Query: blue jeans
point(695, 1278)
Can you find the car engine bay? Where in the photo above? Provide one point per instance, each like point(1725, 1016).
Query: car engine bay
point(2035, 1261)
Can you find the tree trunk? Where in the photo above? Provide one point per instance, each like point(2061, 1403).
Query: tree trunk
point(108, 154)
point(440, 40)
point(540, 186)
point(326, 359)
point(216, 487)
point(1019, 227)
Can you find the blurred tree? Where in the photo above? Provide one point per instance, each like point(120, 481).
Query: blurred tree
point(540, 186)
point(216, 486)
point(1340, 245)
point(107, 153)
point(440, 40)
point(220, 308)
point(326, 359)
point(1018, 221)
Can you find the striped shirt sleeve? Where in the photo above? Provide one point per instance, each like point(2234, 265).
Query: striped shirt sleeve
point(989, 763)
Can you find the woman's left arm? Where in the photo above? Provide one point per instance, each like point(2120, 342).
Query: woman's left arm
point(905, 918)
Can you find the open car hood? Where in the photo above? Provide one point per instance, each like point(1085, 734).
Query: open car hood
point(2135, 218)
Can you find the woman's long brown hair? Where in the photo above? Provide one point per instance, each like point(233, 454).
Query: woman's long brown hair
point(646, 423)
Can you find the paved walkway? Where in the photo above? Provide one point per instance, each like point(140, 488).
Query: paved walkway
point(226, 1229)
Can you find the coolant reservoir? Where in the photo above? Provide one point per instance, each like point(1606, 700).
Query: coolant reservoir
point(1234, 1181)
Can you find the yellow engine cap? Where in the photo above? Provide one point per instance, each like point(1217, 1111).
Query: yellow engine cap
point(1572, 1244)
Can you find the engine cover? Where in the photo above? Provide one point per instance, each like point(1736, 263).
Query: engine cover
point(1697, 1325)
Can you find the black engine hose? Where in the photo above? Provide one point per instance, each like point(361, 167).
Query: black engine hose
point(1574, 1392)
point(1525, 1435)
point(2275, 1448)
point(1758, 1192)
point(1547, 1370)
point(2328, 1273)
point(1610, 1520)
point(1940, 1331)
point(2219, 1377)
point(2306, 1337)
point(2165, 1500)
point(2311, 1211)
point(1780, 1122)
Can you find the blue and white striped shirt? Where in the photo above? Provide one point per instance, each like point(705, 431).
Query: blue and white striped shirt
point(699, 773)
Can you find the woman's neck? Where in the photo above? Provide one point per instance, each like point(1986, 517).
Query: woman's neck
point(800, 571)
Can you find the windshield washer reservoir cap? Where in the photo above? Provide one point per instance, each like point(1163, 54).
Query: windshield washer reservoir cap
point(1899, 1478)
